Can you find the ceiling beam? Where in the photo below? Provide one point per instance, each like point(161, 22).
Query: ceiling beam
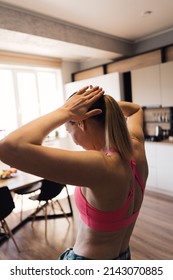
point(155, 42)
point(24, 21)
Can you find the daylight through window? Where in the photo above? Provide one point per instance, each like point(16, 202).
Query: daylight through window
point(27, 93)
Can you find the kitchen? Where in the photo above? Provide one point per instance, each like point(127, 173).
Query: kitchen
point(159, 153)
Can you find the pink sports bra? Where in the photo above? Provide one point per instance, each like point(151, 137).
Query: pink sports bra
point(112, 220)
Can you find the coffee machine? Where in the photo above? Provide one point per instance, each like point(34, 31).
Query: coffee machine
point(158, 123)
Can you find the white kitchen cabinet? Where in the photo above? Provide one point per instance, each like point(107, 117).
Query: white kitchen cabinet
point(151, 155)
point(160, 158)
point(111, 83)
point(164, 167)
point(153, 85)
point(146, 86)
point(166, 80)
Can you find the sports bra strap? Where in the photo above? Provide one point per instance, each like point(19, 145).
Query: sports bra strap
point(137, 176)
point(125, 206)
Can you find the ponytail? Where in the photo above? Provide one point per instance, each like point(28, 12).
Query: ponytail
point(117, 134)
point(112, 119)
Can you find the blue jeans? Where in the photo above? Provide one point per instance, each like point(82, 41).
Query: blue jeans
point(70, 255)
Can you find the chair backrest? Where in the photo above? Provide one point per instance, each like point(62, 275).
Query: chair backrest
point(6, 202)
point(49, 190)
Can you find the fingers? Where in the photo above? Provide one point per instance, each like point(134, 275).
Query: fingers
point(92, 89)
point(93, 92)
point(87, 90)
point(82, 90)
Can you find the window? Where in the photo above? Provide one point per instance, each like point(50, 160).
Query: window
point(27, 93)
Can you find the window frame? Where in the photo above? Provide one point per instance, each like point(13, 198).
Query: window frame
point(17, 68)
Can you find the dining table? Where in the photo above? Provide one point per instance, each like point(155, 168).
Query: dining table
point(21, 180)
point(15, 182)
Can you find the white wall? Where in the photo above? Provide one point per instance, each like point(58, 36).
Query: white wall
point(111, 83)
point(67, 69)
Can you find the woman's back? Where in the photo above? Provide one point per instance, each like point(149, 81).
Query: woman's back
point(111, 196)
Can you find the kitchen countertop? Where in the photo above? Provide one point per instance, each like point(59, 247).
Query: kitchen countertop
point(166, 141)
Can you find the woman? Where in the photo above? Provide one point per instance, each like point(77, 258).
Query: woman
point(111, 172)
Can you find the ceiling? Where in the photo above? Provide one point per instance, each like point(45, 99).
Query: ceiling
point(130, 21)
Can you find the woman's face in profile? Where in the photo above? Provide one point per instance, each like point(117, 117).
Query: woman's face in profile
point(78, 135)
point(73, 130)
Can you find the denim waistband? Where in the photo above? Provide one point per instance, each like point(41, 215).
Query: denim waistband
point(125, 255)
point(69, 254)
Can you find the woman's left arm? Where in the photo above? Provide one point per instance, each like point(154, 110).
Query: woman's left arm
point(134, 114)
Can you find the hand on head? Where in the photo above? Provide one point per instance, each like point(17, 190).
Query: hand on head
point(81, 101)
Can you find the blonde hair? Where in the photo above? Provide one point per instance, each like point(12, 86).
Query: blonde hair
point(116, 131)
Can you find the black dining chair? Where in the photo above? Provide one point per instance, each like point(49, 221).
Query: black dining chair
point(48, 194)
point(26, 191)
point(6, 207)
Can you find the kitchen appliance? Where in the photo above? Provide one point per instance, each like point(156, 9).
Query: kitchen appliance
point(158, 123)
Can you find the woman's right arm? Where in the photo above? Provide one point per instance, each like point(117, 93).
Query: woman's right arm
point(134, 115)
point(23, 148)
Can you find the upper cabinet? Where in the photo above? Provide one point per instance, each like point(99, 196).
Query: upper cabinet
point(146, 86)
point(111, 83)
point(153, 86)
point(166, 76)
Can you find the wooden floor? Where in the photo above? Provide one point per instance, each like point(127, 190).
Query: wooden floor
point(152, 238)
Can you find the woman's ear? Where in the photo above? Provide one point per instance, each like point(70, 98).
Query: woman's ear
point(81, 125)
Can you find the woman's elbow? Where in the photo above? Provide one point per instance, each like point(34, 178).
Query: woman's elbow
point(8, 151)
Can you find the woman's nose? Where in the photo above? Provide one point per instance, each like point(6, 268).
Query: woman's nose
point(67, 127)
